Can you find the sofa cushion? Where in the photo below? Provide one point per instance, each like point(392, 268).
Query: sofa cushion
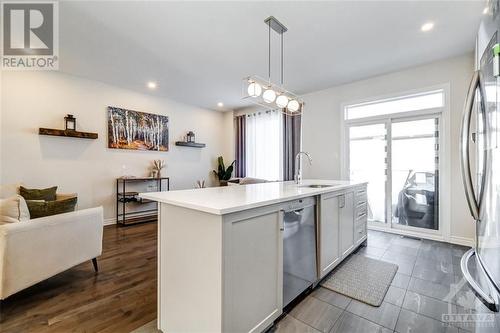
point(47, 194)
point(13, 209)
point(250, 180)
point(41, 208)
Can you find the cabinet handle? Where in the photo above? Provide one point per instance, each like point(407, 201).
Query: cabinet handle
point(361, 215)
point(342, 201)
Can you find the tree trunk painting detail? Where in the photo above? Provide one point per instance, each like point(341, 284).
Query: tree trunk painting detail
point(128, 129)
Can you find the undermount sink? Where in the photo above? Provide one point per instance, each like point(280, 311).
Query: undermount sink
point(316, 185)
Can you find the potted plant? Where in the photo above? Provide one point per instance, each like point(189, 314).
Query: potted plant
point(222, 173)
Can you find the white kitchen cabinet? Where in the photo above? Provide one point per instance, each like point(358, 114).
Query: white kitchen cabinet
point(328, 225)
point(226, 269)
point(360, 215)
point(346, 232)
point(253, 270)
point(341, 226)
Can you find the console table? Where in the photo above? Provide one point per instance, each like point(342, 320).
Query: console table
point(124, 196)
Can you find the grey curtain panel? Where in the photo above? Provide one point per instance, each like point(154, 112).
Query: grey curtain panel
point(291, 144)
point(240, 151)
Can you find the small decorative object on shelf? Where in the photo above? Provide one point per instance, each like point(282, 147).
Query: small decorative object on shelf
point(200, 183)
point(125, 196)
point(70, 123)
point(158, 165)
point(189, 141)
point(190, 137)
point(222, 173)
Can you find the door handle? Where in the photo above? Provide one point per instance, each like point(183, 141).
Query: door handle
point(464, 146)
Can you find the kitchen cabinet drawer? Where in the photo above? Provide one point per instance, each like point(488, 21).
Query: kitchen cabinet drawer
point(360, 193)
point(360, 231)
point(361, 213)
point(360, 202)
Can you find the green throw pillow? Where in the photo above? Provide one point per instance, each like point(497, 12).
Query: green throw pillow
point(41, 208)
point(47, 194)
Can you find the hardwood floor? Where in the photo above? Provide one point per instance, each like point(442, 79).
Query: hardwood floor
point(120, 298)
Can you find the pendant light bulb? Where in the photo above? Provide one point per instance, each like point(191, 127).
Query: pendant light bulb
point(254, 89)
point(293, 106)
point(269, 96)
point(282, 101)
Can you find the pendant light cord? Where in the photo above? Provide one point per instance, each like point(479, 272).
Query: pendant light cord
point(269, 53)
point(282, 57)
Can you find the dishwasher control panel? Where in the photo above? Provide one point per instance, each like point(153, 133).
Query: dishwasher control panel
point(299, 203)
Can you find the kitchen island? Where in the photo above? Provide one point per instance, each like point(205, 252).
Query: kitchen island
point(220, 250)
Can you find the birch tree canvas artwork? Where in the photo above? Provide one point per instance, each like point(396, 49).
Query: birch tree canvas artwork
point(136, 130)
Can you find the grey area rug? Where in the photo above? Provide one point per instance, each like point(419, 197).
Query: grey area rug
point(362, 278)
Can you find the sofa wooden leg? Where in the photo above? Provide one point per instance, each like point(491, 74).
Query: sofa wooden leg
point(94, 262)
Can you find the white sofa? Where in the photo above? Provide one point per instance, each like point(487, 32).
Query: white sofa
point(34, 250)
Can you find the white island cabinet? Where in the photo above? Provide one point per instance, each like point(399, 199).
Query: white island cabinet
point(220, 251)
point(341, 226)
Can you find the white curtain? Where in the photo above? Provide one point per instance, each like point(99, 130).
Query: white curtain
point(264, 145)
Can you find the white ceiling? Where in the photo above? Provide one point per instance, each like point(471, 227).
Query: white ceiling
point(198, 52)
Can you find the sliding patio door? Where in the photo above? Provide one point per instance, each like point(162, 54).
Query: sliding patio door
point(399, 158)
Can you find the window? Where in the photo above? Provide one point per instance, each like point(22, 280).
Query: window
point(393, 144)
point(427, 100)
point(264, 145)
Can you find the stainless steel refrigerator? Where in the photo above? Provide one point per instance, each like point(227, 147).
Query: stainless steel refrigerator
point(480, 161)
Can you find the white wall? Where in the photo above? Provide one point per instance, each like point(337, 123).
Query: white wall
point(321, 124)
point(41, 99)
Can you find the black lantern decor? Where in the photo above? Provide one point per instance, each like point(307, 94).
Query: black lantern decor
point(190, 137)
point(70, 122)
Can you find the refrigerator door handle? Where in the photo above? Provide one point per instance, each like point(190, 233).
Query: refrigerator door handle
point(464, 147)
point(488, 300)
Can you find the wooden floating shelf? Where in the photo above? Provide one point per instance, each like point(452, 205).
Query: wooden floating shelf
point(67, 133)
point(190, 144)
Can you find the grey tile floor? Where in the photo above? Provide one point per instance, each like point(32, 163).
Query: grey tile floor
point(428, 285)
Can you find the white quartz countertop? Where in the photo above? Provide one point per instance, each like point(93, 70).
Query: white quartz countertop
point(230, 199)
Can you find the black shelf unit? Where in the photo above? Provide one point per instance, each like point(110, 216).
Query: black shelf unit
point(123, 197)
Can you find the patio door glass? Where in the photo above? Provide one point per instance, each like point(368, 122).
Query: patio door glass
point(367, 162)
point(415, 173)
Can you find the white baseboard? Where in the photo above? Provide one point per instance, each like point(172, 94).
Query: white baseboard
point(410, 233)
point(452, 240)
point(462, 241)
point(110, 221)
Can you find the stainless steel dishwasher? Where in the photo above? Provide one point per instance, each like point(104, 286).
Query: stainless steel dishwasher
point(299, 247)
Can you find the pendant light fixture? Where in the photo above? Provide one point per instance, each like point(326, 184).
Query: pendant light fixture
point(265, 93)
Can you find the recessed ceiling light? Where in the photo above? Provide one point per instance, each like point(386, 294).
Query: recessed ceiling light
point(427, 26)
point(152, 85)
point(220, 104)
point(485, 10)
